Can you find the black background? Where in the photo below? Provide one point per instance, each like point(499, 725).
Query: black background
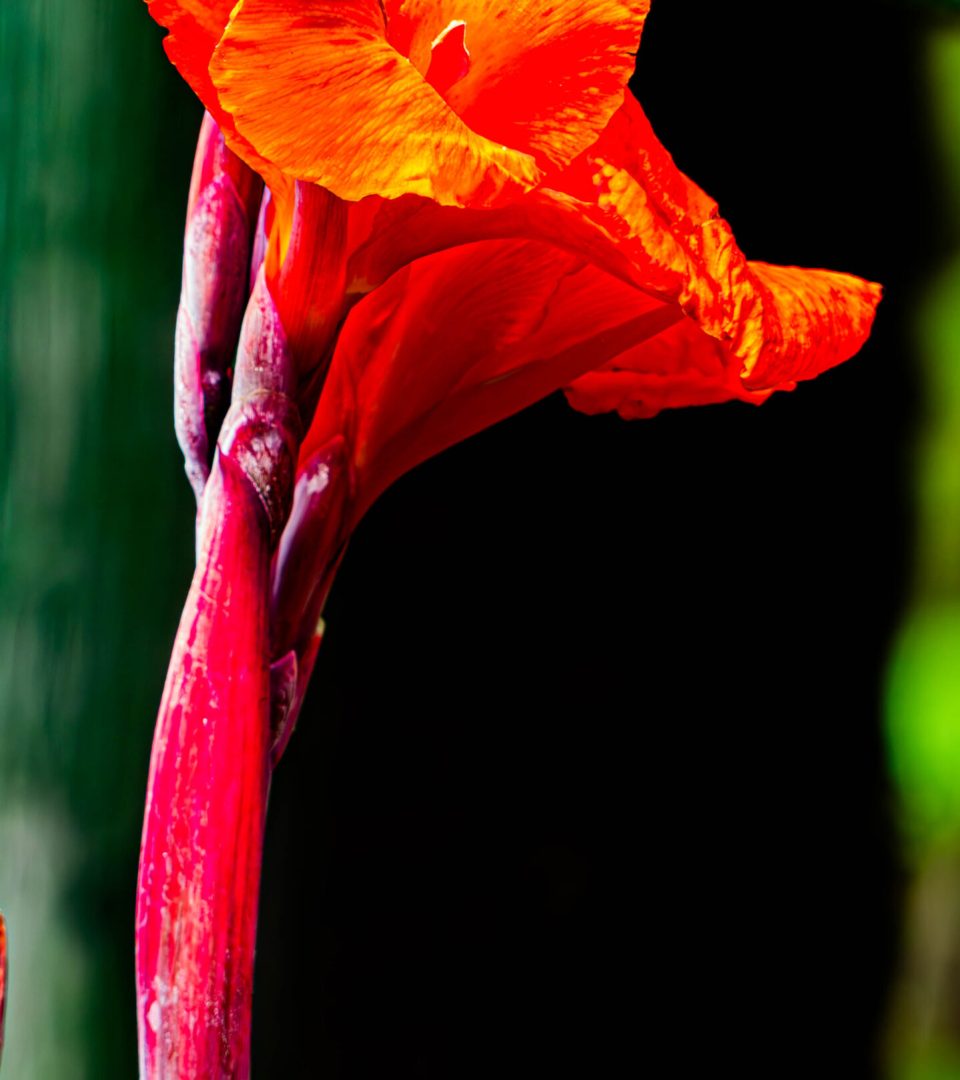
point(591, 775)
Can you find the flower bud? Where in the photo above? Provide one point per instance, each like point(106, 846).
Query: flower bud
point(221, 214)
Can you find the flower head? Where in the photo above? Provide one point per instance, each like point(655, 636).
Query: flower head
point(516, 115)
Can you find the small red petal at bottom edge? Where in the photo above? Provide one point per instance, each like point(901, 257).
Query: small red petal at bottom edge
point(3, 978)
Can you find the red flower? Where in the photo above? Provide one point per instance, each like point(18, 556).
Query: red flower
point(314, 90)
point(628, 290)
point(496, 221)
point(3, 978)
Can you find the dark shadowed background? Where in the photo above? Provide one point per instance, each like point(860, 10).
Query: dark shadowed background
point(592, 775)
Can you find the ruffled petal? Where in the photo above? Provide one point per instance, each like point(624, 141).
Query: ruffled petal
point(464, 338)
point(777, 324)
point(317, 89)
point(626, 208)
point(681, 366)
point(543, 77)
point(813, 320)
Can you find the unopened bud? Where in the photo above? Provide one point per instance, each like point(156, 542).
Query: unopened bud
point(222, 210)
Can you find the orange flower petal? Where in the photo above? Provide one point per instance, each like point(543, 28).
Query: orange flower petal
point(681, 366)
point(386, 235)
point(813, 320)
point(318, 91)
point(543, 77)
point(625, 207)
point(464, 338)
point(777, 324)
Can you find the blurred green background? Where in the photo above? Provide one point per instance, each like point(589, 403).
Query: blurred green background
point(95, 542)
point(96, 137)
point(923, 679)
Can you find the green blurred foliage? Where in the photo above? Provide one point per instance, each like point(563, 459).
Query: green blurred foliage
point(94, 539)
point(923, 688)
point(924, 725)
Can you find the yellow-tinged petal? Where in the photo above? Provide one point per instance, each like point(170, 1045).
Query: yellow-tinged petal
point(814, 320)
point(544, 76)
point(810, 321)
point(318, 91)
point(776, 324)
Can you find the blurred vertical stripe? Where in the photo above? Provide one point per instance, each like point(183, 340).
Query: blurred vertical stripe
point(95, 134)
point(923, 686)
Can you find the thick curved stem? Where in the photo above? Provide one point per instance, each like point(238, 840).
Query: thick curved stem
point(209, 773)
point(206, 801)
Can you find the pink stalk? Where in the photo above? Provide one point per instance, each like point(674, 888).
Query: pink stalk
point(206, 801)
point(209, 772)
point(222, 213)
